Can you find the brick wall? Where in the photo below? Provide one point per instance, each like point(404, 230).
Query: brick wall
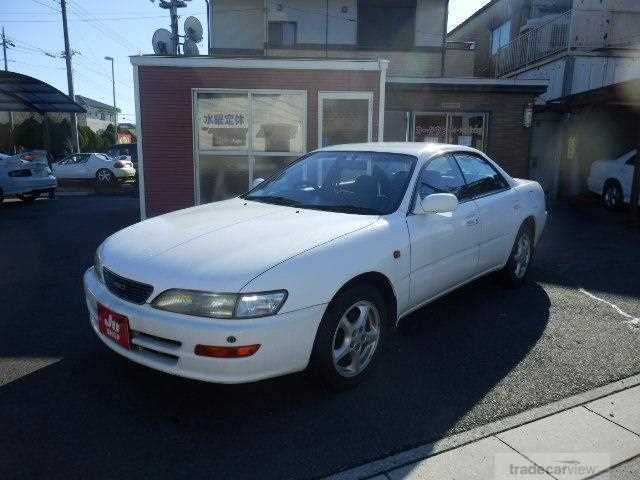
point(166, 118)
point(507, 141)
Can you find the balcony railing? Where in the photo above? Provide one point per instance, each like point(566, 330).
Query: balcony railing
point(536, 44)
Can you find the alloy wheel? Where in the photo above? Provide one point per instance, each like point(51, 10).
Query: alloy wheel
point(104, 176)
point(356, 338)
point(522, 256)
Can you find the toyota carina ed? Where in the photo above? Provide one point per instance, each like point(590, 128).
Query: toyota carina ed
point(311, 267)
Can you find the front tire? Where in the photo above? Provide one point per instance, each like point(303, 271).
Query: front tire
point(515, 271)
point(349, 337)
point(612, 196)
point(29, 197)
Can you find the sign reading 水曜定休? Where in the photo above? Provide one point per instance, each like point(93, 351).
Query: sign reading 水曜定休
point(224, 120)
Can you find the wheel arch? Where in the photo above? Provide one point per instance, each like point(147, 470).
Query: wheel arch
point(384, 286)
point(531, 221)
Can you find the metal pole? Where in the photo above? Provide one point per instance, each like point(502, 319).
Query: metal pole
point(12, 147)
point(4, 50)
point(115, 109)
point(210, 25)
point(173, 11)
point(67, 57)
point(326, 30)
point(445, 21)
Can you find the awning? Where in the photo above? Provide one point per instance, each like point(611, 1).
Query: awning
point(620, 95)
point(21, 93)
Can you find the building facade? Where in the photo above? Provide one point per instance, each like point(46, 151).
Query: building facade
point(98, 116)
point(292, 77)
point(578, 46)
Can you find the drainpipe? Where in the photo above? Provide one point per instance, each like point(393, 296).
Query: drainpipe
point(445, 21)
point(210, 25)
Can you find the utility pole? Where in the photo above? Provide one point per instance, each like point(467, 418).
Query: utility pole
point(173, 6)
point(67, 57)
point(115, 109)
point(7, 43)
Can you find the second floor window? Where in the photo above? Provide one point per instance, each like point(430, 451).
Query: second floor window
point(500, 36)
point(282, 34)
point(386, 23)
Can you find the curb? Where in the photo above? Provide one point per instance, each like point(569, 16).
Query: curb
point(448, 443)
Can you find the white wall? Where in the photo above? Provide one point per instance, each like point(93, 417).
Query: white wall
point(238, 24)
point(596, 72)
point(311, 17)
point(429, 21)
point(553, 72)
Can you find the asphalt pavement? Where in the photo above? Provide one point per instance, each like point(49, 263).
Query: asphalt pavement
point(71, 408)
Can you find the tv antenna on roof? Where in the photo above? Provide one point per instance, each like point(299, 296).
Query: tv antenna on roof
point(171, 46)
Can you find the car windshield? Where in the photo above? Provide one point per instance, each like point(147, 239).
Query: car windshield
point(351, 182)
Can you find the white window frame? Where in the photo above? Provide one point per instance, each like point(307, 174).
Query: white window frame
point(347, 95)
point(244, 152)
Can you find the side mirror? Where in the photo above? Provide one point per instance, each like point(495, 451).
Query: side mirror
point(256, 182)
point(436, 203)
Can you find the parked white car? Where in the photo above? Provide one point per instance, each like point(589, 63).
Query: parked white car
point(311, 266)
point(101, 168)
point(25, 180)
point(612, 179)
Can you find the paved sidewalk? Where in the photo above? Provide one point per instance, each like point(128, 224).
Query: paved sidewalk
point(592, 435)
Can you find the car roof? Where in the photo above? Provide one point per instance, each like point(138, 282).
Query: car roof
point(408, 148)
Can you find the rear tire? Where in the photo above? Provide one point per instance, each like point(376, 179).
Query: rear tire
point(612, 195)
point(515, 271)
point(349, 337)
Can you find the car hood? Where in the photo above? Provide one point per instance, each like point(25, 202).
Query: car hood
point(221, 246)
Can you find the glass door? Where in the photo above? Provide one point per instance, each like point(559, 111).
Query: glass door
point(344, 117)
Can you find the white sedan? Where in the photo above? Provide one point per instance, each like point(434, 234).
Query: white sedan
point(105, 170)
point(612, 179)
point(25, 180)
point(310, 267)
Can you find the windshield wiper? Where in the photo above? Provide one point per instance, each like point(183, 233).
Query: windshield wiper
point(347, 209)
point(275, 200)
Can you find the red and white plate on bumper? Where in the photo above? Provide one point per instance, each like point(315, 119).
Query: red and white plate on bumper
point(114, 326)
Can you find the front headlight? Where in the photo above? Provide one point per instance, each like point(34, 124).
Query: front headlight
point(220, 305)
point(97, 264)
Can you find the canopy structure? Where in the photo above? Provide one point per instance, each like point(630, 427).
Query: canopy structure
point(619, 96)
point(21, 93)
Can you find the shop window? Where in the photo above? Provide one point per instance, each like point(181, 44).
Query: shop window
point(277, 122)
point(468, 129)
point(386, 23)
point(500, 36)
point(431, 128)
point(282, 34)
point(243, 135)
point(396, 126)
point(345, 117)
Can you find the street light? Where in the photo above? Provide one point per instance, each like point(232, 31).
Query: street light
point(115, 111)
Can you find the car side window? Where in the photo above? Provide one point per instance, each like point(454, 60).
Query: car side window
point(632, 160)
point(480, 176)
point(440, 175)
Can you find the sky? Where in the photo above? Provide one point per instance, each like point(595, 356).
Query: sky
point(99, 28)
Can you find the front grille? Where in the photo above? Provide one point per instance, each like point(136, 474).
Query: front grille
point(129, 290)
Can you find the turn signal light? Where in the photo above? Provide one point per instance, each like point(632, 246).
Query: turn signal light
point(226, 352)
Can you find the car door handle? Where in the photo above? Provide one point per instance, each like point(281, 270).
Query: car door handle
point(471, 221)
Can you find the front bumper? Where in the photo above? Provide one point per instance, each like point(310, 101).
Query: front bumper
point(166, 341)
point(125, 172)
